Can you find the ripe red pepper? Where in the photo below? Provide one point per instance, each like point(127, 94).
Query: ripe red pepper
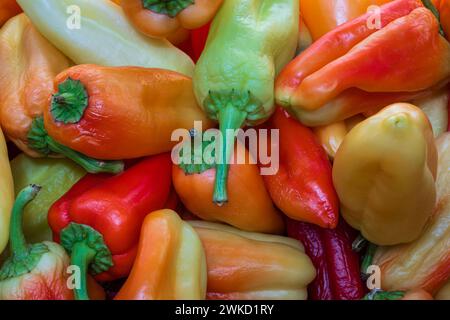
point(303, 187)
point(337, 265)
point(114, 207)
point(198, 41)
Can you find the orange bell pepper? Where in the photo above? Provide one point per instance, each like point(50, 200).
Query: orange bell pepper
point(170, 262)
point(160, 18)
point(8, 9)
point(443, 6)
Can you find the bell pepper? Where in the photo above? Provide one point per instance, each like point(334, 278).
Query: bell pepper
point(160, 18)
point(253, 266)
point(443, 7)
point(444, 292)
point(110, 210)
point(7, 192)
point(428, 257)
point(101, 34)
point(35, 271)
point(174, 269)
point(337, 265)
point(56, 176)
point(8, 9)
point(387, 190)
point(356, 68)
point(194, 183)
point(436, 109)
point(28, 64)
point(234, 77)
point(117, 112)
point(302, 187)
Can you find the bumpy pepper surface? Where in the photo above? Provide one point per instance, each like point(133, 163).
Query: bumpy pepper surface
point(7, 192)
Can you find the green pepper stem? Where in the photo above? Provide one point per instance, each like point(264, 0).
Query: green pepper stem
point(378, 294)
point(429, 5)
point(368, 257)
point(82, 256)
point(232, 118)
point(18, 244)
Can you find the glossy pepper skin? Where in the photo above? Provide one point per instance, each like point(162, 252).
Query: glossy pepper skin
point(428, 256)
point(303, 187)
point(103, 26)
point(253, 266)
point(344, 72)
point(170, 263)
point(28, 65)
point(115, 207)
point(248, 44)
point(195, 185)
point(56, 177)
point(7, 192)
point(160, 19)
point(337, 265)
point(120, 112)
point(387, 191)
point(8, 9)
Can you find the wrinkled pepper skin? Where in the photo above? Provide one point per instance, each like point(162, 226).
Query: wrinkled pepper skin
point(248, 44)
point(170, 262)
point(256, 213)
point(337, 265)
point(8, 9)
point(303, 187)
point(428, 257)
point(131, 111)
point(28, 65)
point(56, 176)
point(253, 266)
point(355, 68)
point(155, 19)
point(102, 27)
point(115, 208)
point(387, 191)
point(7, 192)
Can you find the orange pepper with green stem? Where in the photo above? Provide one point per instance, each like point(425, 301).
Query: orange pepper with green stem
point(443, 7)
point(8, 9)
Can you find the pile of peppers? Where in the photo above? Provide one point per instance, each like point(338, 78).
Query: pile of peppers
point(96, 192)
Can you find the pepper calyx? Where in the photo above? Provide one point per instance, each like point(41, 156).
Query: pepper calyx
point(196, 160)
point(18, 265)
point(70, 102)
point(170, 8)
point(378, 294)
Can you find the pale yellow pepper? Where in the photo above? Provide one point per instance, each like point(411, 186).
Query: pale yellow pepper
point(435, 107)
point(384, 173)
point(6, 193)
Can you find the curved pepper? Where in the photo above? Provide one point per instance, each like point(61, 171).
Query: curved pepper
point(170, 262)
point(120, 112)
point(113, 208)
point(253, 266)
point(384, 174)
point(8, 9)
point(28, 65)
point(303, 187)
point(103, 35)
point(160, 18)
point(248, 44)
point(7, 192)
point(428, 257)
point(194, 184)
point(356, 68)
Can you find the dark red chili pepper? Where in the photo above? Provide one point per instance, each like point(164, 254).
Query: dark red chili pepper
point(198, 41)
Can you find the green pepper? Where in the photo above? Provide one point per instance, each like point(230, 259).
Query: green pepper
point(249, 43)
point(56, 176)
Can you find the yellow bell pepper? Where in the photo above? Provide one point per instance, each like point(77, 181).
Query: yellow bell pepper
point(424, 263)
point(384, 175)
point(6, 192)
point(246, 266)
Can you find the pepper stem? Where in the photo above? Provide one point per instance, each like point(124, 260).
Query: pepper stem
point(82, 256)
point(168, 7)
point(429, 5)
point(70, 102)
point(368, 258)
point(378, 294)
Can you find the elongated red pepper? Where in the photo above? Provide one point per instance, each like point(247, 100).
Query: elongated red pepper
point(337, 266)
point(115, 208)
point(198, 41)
point(302, 188)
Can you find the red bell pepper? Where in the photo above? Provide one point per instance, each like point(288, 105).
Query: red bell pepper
point(337, 265)
point(303, 187)
point(112, 208)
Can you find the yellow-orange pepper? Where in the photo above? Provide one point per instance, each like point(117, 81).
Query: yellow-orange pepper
point(28, 65)
point(384, 174)
point(7, 192)
point(425, 262)
point(247, 266)
point(170, 262)
point(8, 9)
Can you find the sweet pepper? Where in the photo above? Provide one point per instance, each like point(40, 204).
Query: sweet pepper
point(425, 262)
point(101, 216)
point(118, 112)
point(443, 7)
point(8, 9)
point(170, 262)
point(56, 177)
point(357, 67)
point(7, 192)
point(28, 65)
point(435, 107)
point(384, 173)
point(253, 266)
point(248, 44)
point(98, 32)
